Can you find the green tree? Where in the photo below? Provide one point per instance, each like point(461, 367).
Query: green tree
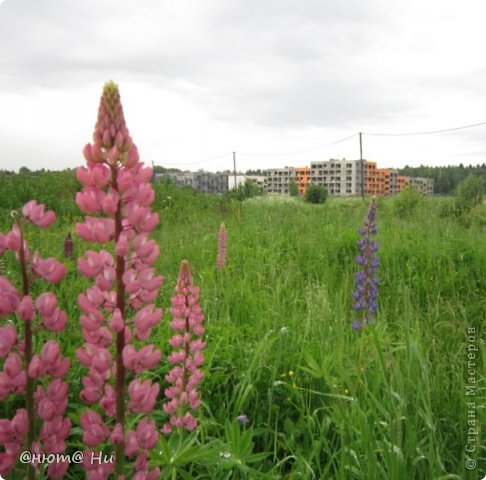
point(293, 188)
point(247, 190)
point(471, 190)
point(315, 194)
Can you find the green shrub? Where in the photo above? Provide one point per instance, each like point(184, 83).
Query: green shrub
point(470, 192)
point(315, 194)
point(293, 188)
point(407, 202)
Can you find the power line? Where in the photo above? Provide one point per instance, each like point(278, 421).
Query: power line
point(425, 132)
point(295, 153)
point(374, 134)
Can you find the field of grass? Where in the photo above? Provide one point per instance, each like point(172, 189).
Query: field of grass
point(323, 401)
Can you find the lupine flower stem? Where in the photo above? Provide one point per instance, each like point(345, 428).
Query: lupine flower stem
point(29, 386)
point(120, 336)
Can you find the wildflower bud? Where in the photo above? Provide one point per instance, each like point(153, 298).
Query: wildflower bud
point(68, 246)
point(87, 153)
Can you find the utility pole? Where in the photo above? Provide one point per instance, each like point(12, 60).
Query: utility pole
point(362, 165)
point(234, 167)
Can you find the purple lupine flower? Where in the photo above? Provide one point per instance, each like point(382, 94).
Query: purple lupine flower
point(366, 292)
point(222, 247)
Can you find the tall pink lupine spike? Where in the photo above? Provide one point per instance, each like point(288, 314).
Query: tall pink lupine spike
point(222, 247)
point(22, 368)
point(119, 306)
point(187, 358)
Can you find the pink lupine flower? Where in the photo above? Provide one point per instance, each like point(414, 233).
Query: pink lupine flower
point(95, 430)
point(145, 319)
point(140, 361)
point(99, 230)
point(96, 175)
point(49, 269)
point(57, 469)
point(90, 200)
point(147, 435)
point(117, 434)
point(142, 395)
point(141, 463)
point(13, 239)
point(8, 338)
point(131, 444)
point(26, 310)
point(108, 401)
point(46, 304)
point(185, 375)
point(222, 247)
point(93, 388)
point(94, 263)
point(138, 443)
point(55, 322)
point(116, 322)
point(19, 424)
point(52, 361)
point(22, 366)
point(7, 462)
point(36, 368)
point(97, 470)
point(146, 250)
point(35, 213)
point(119, 306)
point(9, 297)
point(13, 378)
point(13, 365)
point(93, 321)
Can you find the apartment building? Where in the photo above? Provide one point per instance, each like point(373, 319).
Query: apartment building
point(277, 180)
point(338, 177)
point(402, 182)
point(183, 179)
point(241, 179)
point(205, 182)
point(424, 185)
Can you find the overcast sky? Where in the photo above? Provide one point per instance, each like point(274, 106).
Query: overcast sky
point(201, 79)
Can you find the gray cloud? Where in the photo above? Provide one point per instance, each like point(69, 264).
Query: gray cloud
point(267, 62)
point(274, 65)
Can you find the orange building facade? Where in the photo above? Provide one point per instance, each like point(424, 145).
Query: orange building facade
point(302, 178)
point(383, 181)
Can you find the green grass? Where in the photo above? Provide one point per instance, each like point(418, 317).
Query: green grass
point(323, 401)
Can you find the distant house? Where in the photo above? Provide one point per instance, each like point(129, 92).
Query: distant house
point(205, 182)
point(241, 179)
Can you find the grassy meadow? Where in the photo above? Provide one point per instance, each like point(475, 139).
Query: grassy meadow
point(323, 401)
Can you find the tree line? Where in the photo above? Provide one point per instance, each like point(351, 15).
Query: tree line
point(446, 179)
